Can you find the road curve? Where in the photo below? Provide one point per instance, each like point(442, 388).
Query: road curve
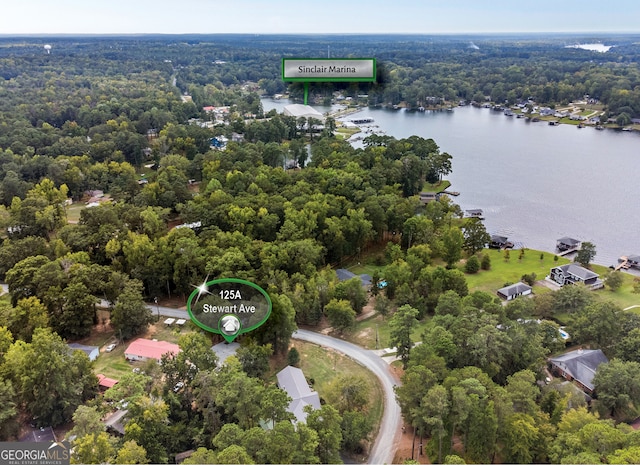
point(383, 450)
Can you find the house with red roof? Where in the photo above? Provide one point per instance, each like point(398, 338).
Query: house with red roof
point(105, 383)
point(145, 349)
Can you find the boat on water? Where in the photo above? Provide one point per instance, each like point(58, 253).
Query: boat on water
point(474, 213)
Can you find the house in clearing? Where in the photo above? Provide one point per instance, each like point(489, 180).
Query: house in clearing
point(91, 351)
point(514, 291)
point(105, 383)
point(292, 381)
point(145, 349)
point(579, 366)
point(344, 275)
point(573, 274)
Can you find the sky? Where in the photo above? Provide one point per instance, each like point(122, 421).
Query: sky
point(44, 17)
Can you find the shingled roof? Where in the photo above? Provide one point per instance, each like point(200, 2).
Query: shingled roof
point(293, 382)
point(581, 365)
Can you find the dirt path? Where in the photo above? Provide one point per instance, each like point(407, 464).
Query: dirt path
point(367, 311)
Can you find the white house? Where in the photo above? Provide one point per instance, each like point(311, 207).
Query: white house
point(514, 291)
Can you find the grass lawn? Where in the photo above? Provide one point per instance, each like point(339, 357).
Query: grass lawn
point(511, 271)
point(73, 211)
point(113, 364)
point(323, 365)
point(570, 121)
point(436, 187)
point(624, 296)
point(366, 268)
point(364, 333)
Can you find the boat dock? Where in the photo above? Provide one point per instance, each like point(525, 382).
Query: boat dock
point(623, 265)
point(568, 251)
point(567, 245)
point(361, 120)
point(627, 262)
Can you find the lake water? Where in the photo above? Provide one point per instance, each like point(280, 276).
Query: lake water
point(592, 47)
point(534, 182)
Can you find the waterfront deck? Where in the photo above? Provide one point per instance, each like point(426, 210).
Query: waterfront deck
point(623, 264)
point(361, 120)
point(568, 251)
point(627, 262)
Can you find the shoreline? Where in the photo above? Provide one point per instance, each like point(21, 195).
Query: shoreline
point(358, 136)
point(550, 120)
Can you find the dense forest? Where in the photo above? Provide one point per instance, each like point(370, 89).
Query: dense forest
point(110, 115)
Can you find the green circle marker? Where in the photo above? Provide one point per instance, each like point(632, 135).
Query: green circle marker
point(229, 307)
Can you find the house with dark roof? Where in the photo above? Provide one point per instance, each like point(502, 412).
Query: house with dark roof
point(345, 275)
point(567, 243)
point(514, 291)
point(35, 434)
point(499, 242)
point(579, 366)
point(573, 274)
point(292, 381)
point(115, 422)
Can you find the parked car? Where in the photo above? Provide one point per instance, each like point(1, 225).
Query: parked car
point(110, 347)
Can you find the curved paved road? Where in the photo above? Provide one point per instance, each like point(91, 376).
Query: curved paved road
point(384, 447)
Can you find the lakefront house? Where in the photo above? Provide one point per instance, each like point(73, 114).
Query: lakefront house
point(575, 274)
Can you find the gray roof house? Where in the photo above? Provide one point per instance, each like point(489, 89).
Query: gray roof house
point(514, 291)
point(572, 274)
point(292, 381)
point(345, 275)
point(91, 351)
point(567, 243)
point(499, 242)
point(579, 365)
